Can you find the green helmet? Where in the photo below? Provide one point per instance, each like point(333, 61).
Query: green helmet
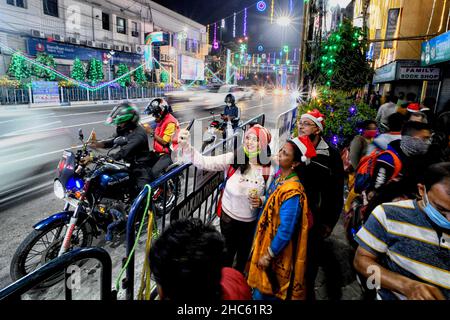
point(123, 113)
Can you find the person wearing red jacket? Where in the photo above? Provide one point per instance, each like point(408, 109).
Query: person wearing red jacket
point(165, 135)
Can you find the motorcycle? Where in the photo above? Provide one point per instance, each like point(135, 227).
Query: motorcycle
point(217, 130)
point(98, 196)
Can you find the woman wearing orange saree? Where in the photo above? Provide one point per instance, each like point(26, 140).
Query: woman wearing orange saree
point(278, 259)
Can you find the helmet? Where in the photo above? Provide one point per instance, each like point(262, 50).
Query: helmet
point(230, 99)
point(123, 113)
point(158, 108)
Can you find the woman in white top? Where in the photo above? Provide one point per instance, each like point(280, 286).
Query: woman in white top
point(249, 173)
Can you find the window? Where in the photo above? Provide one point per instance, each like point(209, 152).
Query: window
point(134, 29)
point(121, 25)
point(51, 8)
point(105, 21)
point(17, 3)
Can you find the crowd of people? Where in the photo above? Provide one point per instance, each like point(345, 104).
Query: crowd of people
point(278, 210)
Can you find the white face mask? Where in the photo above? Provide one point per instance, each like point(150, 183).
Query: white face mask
point(229, 104)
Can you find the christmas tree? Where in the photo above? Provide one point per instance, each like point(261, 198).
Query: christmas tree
point(19, 68)
point(46, 60)
point(164, 77)
point(342, 63)
point(95, 71)
point(139, 76)
point(125, 81)
point(78, 72)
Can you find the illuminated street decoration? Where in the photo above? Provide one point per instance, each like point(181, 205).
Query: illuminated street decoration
point(234, 25)
point(261, 6)
point(245, 22)
point(271, 11)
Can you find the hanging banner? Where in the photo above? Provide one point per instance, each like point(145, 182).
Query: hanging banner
point(391, 27)
point(148, 57)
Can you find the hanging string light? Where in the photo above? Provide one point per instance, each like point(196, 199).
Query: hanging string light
point(245, 22)
point(215, 43)
point(234, 25)
point(207, 34)
point(271, 11)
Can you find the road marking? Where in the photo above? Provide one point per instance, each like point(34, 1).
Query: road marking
point(30, 129)
point(41, 116)
point(41, 155)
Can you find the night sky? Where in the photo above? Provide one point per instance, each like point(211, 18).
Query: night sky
point(259, 29)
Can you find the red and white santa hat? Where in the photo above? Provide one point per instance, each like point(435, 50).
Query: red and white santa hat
point(316, 117)
point(413, 107)
point(263, 135)
point(306, 147)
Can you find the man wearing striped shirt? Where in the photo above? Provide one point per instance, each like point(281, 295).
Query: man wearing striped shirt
point(406, 244)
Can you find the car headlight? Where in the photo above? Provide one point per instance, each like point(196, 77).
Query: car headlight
point(58, 189)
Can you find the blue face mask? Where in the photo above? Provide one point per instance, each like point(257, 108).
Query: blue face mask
point(434, 214)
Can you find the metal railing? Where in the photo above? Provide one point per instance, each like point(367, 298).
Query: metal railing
point(15, 290)
point(13, 96)
point(210, 190)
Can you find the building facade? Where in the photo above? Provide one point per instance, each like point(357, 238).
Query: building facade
point(68, 29)
point(396, 31)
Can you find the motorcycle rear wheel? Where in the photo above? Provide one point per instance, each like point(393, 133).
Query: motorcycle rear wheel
point(26, 252)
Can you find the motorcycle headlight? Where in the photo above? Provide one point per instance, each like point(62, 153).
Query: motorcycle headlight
point(58, 189)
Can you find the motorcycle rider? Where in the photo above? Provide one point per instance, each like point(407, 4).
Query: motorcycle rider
point(136, 152)
point(231, 111)
point(164, 136)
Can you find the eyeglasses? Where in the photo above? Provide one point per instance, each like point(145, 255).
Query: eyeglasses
point(306, 124)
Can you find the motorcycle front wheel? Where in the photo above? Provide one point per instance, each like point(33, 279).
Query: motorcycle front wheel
point(41, 246)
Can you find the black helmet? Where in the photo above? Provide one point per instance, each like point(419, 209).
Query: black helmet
point(158, 108)
point(123, 113)
point(230, 99)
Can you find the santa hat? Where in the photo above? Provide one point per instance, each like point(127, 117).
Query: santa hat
point(316, 117)
point(306, 147)
point(264, 136)
point(413, 107)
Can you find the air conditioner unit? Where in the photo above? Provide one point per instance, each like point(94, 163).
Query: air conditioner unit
point(117, 48)
point(135, 33)
point(37, 33)
point(90, 43)
point(58, 37)
point(105, 45)
point(83, 42)
point(74, 40)
point(139, 49)
point(126, 49)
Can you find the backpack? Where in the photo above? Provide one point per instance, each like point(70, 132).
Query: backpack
point(366, 167)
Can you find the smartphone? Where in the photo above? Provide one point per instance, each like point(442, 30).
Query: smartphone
point(188, 128)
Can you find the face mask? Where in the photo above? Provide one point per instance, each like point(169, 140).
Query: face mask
point(229, 104)
point(251, 155)
point(434, 214)
point(413, 146)
point(370, 134)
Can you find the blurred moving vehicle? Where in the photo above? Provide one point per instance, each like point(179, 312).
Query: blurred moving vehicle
point(216, 94)
point(27, 152)
point(182, 95)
